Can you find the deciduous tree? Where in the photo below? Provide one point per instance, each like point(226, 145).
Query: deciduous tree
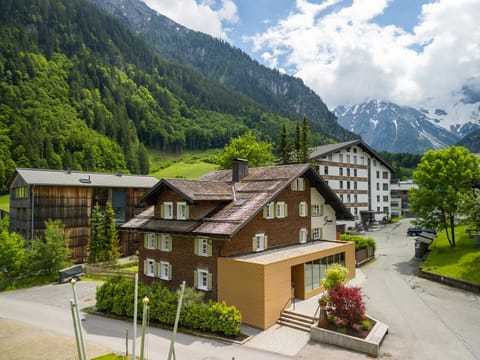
point(445, 178)
point(258, 153)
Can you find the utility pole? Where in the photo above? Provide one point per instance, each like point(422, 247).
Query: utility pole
point(135, 305)
point(144, 321)
point(78, 323)
point(177, 318)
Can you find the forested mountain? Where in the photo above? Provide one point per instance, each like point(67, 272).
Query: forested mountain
point(80, 90)
point(229, 66)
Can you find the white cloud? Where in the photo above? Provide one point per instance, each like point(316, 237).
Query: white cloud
point(205, 16)
point(346, 58)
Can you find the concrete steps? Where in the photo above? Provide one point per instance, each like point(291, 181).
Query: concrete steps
point(296, 320)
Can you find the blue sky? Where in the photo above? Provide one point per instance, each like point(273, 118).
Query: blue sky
point(412, 52)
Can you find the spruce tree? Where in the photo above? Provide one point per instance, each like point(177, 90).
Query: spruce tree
point(305, 143)
point(283, 149)
point(112, 248)
point(297, 144)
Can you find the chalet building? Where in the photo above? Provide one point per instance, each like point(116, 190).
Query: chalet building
point(399, 194)
point(359, 176)
point(250, 237)
point(38, 195)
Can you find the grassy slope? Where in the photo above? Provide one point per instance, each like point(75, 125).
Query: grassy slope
point(461, 262)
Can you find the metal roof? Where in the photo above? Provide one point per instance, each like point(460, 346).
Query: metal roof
point(82, 178)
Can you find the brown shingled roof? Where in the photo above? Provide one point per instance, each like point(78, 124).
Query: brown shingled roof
point(244, 199)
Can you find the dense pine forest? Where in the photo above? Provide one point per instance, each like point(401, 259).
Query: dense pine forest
point(79, 90)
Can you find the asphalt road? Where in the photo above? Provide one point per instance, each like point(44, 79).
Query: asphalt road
point(426, 320)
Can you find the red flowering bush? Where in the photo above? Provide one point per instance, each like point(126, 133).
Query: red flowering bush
point(348, 305)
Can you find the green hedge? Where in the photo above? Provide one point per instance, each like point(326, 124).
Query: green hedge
point(361, 242)
point(117, 294)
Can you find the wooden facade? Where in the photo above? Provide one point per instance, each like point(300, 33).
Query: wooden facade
point(202, 232)
point(34, 200)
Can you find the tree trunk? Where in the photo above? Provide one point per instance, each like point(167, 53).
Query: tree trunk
point(452, 229)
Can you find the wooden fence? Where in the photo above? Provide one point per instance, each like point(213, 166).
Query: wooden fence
point(107, 272)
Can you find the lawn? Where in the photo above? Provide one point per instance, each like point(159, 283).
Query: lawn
point(461, 262)
point(189, 165)
point(4, 202)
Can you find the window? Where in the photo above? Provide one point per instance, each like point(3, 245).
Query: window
point(355, 185)
point(355, 172)
point(302, 209)
point(203, 247)
point(341, 197)
point(378, 174)
point(348, 159)
point(281, 209)
point(341, 184)
point(259, 242)
point(167, 210)
point(21, 192)
point(340, 158)
point(355, 198)
point(348, 198)
point(182, 211)
point(325, 170)
point(378, 186)
point(317, 210)
point(269, 211)
point(150, 241)
point(165, 270)
point(378, 199)
point(385, 209)
point(362, 160)
point(149, 267)
point(385, 186)
point(355, 158)
point(348, 171)
point(340, 171)
point(298, 184)
point(385, 174)
point(203, 280)
point(316, 234)
point(165, 242)
point(385, 199)
point(302, 236)
point(348, 184)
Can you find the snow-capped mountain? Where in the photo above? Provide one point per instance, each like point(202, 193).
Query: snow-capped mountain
point(397, 129)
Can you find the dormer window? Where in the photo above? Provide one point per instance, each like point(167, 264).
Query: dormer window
point(182, 211)
point(167, 210)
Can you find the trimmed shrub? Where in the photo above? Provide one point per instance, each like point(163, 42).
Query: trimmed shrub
point(336, 275)
point(117, 294)
point(361, 242)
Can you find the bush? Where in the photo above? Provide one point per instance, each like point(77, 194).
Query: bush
point(348, 305)
point(361, 242)
point(336, 275)
point(117, 294)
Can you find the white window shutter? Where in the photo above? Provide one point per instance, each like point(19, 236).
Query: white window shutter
point(145, 241)
point(254, 243)
point(286, 210)
point(145, 267)
point(209, 281)
point(169, 271)
point(265, 211)
point(170, 241)
point(162, 211)
point(265, 242)
point(196, 246)
point(158, 268)
point(187, 212)
point(209, 248)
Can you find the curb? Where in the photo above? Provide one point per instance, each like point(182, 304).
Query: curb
point(456, 283)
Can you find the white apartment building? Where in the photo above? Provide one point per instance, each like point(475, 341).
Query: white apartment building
point(359, 177)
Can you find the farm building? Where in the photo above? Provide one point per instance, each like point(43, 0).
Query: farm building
point(37, 195)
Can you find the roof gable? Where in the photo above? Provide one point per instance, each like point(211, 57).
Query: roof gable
point(324, 150)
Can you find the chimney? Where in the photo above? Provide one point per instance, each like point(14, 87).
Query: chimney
point(239, 169)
